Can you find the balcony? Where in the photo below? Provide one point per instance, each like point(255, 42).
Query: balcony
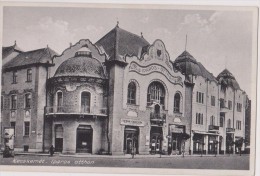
point(230, 130)
point(71, 109)
point(157, 118)
point(213, 128)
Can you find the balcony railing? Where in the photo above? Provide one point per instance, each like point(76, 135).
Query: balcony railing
point(213, 128)
point(71, 109)
point(230, 130)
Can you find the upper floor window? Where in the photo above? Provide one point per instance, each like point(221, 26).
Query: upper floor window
point(199, 118)
point(131, 93)
point(229, 123)
point(85, 102)
point(221, 122)
point(2, 103)
point(156, 93)
point(238, 124)
point(29, 75)
point(213, 100)
point(12, 124)
point(229, 104)
point(177, 102)
point(13, 102)
point(212, 120)
point(239, 107)
point(14, 77)
point(28, 100)
point(222, 103)
point(59, 101)
point(200, 97)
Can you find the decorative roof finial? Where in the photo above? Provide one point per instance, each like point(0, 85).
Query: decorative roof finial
point(70, 44)
point(15, 43)
point(117, 23)
point(142, 35)
point(47, 46)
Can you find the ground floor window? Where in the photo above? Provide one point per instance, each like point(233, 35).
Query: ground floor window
point(156, 134)
point(198, 143)
point(131, 135)
point(212, 144)
point(229, 143)
point(84, 139)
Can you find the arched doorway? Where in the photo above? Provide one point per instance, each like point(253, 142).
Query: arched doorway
point(131, 139)
point(84, 139)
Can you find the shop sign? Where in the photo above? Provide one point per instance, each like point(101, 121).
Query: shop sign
point(176, 129)
point(155, 68)
point(132, 122)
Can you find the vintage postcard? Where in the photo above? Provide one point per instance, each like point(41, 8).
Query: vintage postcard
point(154, 89)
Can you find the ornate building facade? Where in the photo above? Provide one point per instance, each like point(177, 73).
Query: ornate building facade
point(123, 94)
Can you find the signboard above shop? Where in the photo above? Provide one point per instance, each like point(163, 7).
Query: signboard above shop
point(132, 122)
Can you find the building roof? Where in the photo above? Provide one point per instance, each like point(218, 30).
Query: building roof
point(31, 57)
point(6, 51)
point(118, 43)
point(188, 65)
point(81, 66)
point(226, 79)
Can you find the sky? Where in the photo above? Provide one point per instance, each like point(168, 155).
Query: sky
point(217, 39)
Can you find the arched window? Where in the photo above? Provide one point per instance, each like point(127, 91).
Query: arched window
point(59, 101)
point(131, 93)
point(212, 120)
point(156, 93)
point(85, 102)
point(229, 123)
point(29, 75)
point(177, 102)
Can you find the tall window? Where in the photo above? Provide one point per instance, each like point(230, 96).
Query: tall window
point(221, 122)
point(131, 93)
point(14, 77)
point(85, 102)
point(199, 118)
point(28, 100)
point(177, 102)
point(222, 103)
point(229, 104)
point(156, 93)
point(238, 124)
point(26, 128)
point(212, 120)
point(29, 75)
point(213, 100)
point(229, 123)
point(2, 103)
point(13, 102)
point(239, 107)
point(59, 101)
point(12, 124)
point(200, 97)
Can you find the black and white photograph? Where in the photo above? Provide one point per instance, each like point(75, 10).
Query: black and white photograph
point(137, 88)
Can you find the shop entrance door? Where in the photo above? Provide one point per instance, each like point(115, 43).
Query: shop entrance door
point(156, 140)
point(58, 144)
point(84, 139)
point(176, 144)
point(131, 140)
point(58, 138)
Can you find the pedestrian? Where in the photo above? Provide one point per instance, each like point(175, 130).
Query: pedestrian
point(51, 150)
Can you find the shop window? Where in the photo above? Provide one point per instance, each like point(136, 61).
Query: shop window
point(12, 124)
point(13, 102)
point(177, 102)
point(59, 101)
point(26, 148)
point(28, 100)
point(156, 93)
point(131, 93)
point(85, 102)
point(26, 128)
point(29, 75)
point(200, 97)
point(229, 104)
point(213, 100)
point(14, 77)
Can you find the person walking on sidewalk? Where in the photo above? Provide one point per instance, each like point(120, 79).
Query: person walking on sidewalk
point(51, 150)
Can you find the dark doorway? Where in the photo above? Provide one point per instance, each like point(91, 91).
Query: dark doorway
point(131, 139)
point(176, 143)
point(84, 139)
point(156, 139)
